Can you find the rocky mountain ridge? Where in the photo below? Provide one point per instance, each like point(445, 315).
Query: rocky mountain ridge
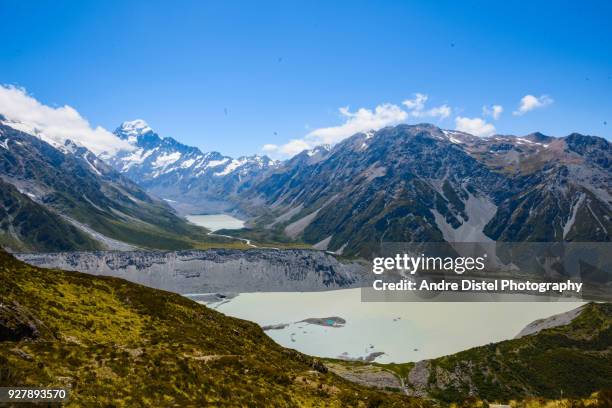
point(65, 197)
point(186, 177)
point(422, 183)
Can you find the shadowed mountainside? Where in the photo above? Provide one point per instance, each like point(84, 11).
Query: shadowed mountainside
point(66, 198)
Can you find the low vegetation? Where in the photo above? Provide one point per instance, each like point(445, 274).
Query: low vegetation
point(564, 366)
point(114, 343)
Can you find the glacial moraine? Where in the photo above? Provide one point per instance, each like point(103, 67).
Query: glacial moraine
point(213, 271)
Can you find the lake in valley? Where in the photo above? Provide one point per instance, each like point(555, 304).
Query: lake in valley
point(215, 222)
point(404, 331)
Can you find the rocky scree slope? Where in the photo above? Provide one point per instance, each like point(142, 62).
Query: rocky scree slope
point(214, 270)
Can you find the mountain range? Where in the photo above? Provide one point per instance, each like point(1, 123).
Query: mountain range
point(184, 176)
point(401, 183)
point(423, 183)
point(63, 197)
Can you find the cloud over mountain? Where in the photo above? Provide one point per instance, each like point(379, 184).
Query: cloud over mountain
point(494, 111)
point(362, 120)
point(474, 126)
point(55, 124)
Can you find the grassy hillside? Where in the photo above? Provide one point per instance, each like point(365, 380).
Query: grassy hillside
point(573, 361)
point(120, 344)
point(561, 366)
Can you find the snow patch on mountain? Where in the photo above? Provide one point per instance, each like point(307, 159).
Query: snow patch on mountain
point(187, 163)
point(453, 136)
point(165, 160)
point(236, 163)
point(32, 130)
point(216, 163)
point(135, 158)
point(131, 129)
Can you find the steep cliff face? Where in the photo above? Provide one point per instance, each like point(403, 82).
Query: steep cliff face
point(213, 270)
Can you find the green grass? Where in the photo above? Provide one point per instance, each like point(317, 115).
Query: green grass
point(119, 344)
point(572, 361)
point(575, 360)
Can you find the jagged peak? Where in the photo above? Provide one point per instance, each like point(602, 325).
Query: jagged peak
point(538, 137)
point(576, 135)
point(135, 127)
point(324, 148)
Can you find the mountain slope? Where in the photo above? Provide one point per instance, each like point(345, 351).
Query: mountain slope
point(422, 183)
point(190, 180)
point(115, 343)
point(572, 360)
point(562, 191)
point(397, 184)
point(29, 226)
point(560, 361)
point(86, 193)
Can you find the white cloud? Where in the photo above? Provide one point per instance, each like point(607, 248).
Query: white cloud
point(416, 108)
point(494, 111)
point(55, 124)
point(289, 149)
point(361, 120)
point(474, 126)
point(294, 147)
point(418, 103)
point(530, 102)
point(270, 147)
point(442, 112)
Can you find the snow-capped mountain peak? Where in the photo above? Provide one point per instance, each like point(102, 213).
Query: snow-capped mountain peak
point(172, 170)
point(131, 129)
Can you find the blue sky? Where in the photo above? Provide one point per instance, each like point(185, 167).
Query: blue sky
point(235, 76)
